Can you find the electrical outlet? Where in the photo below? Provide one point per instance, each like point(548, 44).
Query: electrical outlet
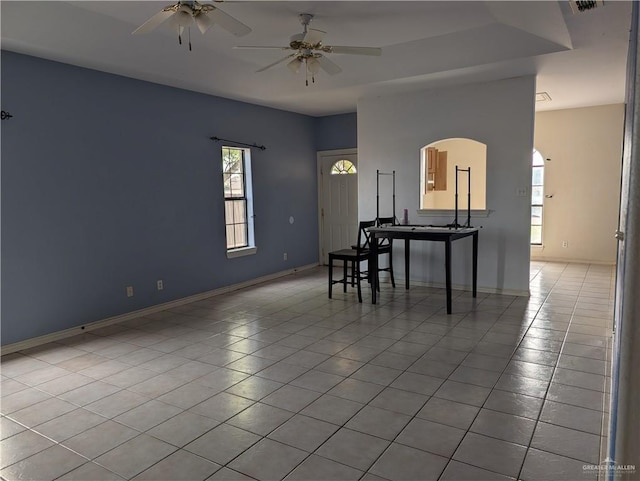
point(129, 291)
point(160, 284)
point(565, 244)
point(284, 256)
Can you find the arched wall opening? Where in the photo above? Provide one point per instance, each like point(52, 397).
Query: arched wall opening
point(438, 174)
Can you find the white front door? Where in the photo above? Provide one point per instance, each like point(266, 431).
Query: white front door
point(338, 201)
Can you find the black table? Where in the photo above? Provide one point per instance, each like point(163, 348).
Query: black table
point(424, 233)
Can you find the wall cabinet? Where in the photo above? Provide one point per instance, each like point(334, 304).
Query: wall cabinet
point(436, 169)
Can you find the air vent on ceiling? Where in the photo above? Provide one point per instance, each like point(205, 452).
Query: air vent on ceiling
point(542, 97)
point(581, 6)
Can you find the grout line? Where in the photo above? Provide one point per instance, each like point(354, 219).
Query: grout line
point(358, 336)
point(564, 341)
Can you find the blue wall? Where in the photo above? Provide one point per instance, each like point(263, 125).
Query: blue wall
point(109, 181)
point(337, 132)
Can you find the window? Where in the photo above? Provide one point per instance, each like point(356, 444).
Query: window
point(537, 197)
point(343, 167)
point(238, 206)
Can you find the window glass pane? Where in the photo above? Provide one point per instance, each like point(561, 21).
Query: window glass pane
point(236, 162)
point(537, 197)
point(343, 167)
point(228, 211)
point(536, 234)
point(236, 185)
point(537, 194)
point(230, 237)
point(235, 211)
point(537, 158)
point(239, 211)
point(536, 215)
point(232, 160)
point(538, 176)
point(227, 184)
point(241, 235)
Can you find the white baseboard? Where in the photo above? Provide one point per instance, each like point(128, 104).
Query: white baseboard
point(572, 261)
point(56, 336)
point(459, 287)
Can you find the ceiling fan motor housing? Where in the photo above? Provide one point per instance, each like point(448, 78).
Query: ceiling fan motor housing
point(295, 41)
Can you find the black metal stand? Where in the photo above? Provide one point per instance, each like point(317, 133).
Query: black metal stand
point(378, 174)
point(455, 224)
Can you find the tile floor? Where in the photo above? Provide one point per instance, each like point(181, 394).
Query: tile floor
point(278, 382)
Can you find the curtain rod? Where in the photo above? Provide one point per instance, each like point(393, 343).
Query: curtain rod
point(218, 139)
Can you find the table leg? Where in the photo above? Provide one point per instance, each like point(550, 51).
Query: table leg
point(330, 275)
point(475, 264)
point(407, 256)
point(345, 262)
point(448, 272)
point(373, 269)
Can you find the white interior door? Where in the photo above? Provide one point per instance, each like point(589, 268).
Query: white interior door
point(338, 201)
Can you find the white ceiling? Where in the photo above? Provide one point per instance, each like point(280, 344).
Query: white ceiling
point(578, 59)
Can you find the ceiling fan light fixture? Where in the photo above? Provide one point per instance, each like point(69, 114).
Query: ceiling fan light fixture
point(203, 22)
point(313, 65)
point(181, 18)
point(294, 65)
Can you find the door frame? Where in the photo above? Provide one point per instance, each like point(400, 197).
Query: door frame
point(319, 157)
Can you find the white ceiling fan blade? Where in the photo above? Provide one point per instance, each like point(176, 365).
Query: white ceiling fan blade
point(373, 51)
point(275, 63)
point(313, 36)
point(226, 21)
point(328, 66)
point(261, 47)
point(295, 65)
point(203, 22)
point(154, 22)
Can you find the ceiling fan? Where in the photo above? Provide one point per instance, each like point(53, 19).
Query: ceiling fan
point(185, 13)
point(308, 50)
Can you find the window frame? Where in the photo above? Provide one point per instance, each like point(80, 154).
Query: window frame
point(245, 196)
point(540, 167)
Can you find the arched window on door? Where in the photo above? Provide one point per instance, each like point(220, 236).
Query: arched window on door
point(537, 198)
point(343, 167)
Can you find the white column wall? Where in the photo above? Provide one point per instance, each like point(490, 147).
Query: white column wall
point(392, 130)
